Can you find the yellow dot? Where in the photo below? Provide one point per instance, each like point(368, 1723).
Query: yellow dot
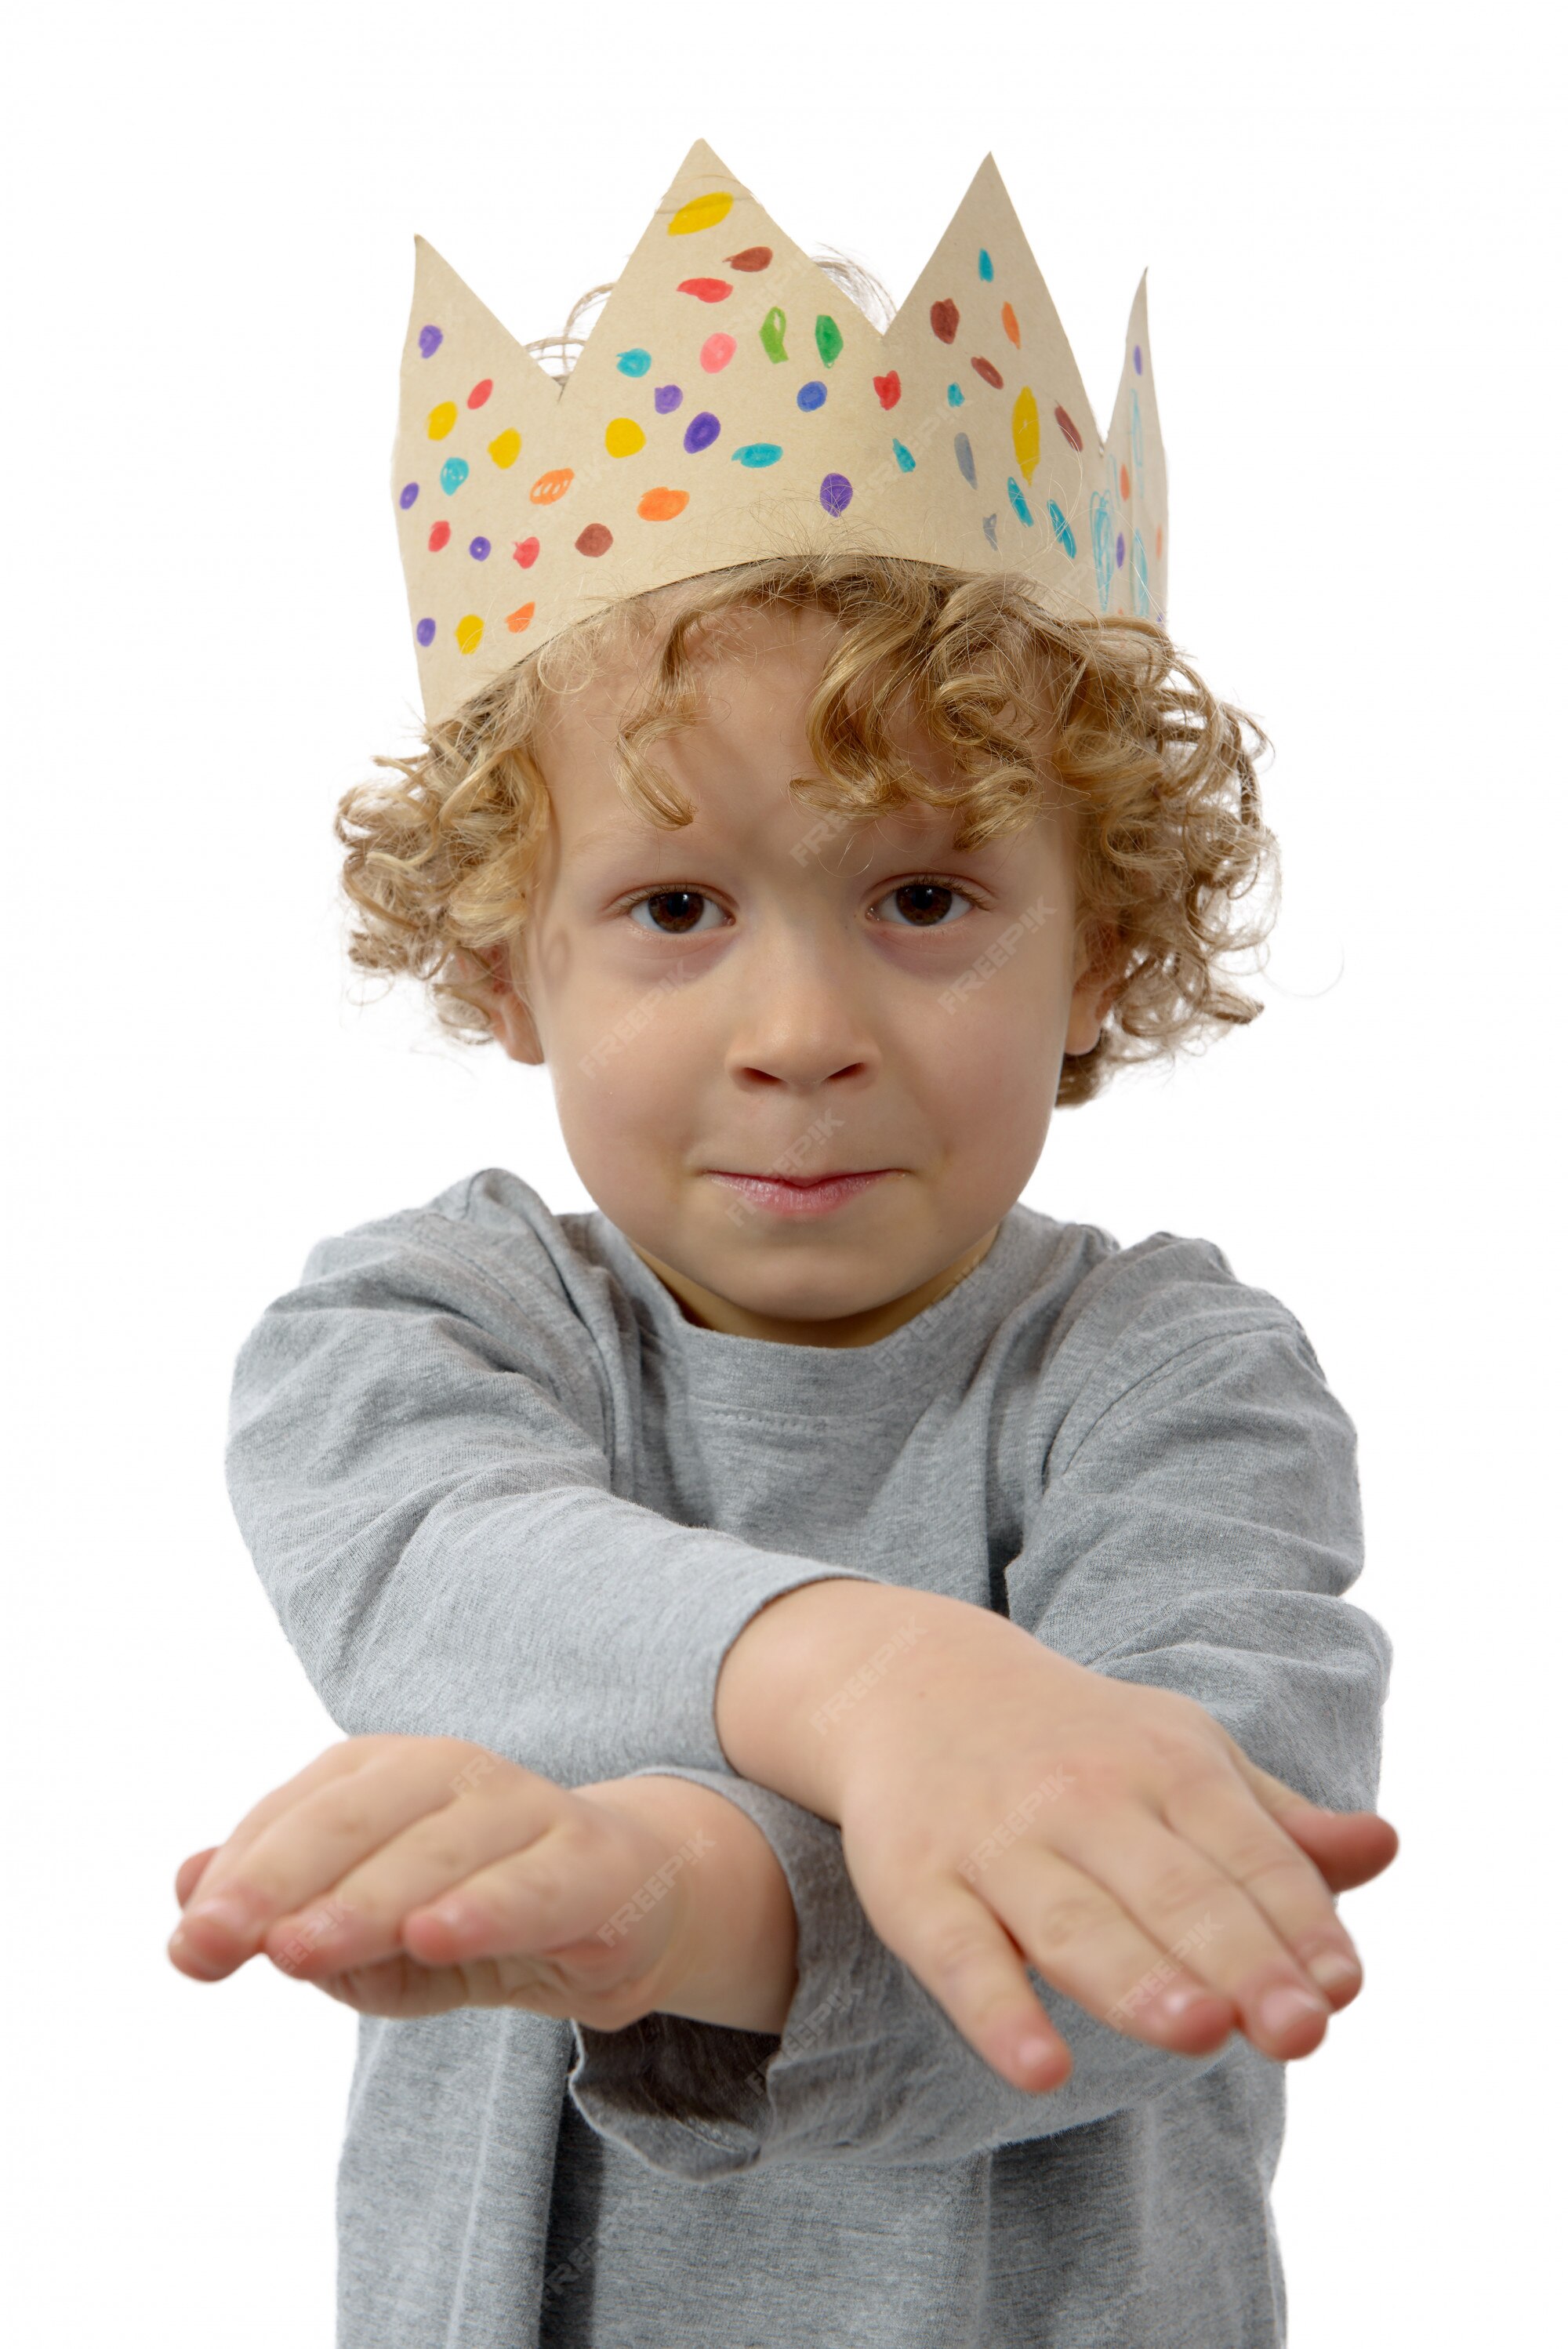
point(703, 211)
point(469, 631)
point(1027, 432)
point(443, 419)
point(623, 438)
point(504, 448)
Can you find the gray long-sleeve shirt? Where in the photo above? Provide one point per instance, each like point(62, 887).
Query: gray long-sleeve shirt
point(499, 1487)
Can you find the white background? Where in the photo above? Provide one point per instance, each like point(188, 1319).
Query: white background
point(1355, 320)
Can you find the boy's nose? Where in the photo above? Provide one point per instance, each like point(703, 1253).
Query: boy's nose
point(796, 1017)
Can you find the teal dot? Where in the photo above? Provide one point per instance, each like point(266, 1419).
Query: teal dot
point(1060, 524)
point(986, 271)
point(905, 461)
point(635, 362)
point(954, 396)
point(454, 473)
point(758, 453)
point(1020, 503)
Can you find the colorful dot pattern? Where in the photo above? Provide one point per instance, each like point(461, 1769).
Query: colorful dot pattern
point(746, 377)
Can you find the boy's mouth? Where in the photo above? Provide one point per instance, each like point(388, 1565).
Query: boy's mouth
point(800, 1194)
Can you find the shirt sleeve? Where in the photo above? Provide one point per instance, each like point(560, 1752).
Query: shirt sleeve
point(1196, 1531)
point(420, 1460)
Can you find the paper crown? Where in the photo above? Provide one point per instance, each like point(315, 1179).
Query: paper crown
point(731, 403)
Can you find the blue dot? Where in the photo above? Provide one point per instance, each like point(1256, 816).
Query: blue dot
point(478, 548)
point(989, 527)
point(668, 398)
point(635, 362)
point(954, 396)
point(410, 491)
point(425, 631)
point(835, 493)
point(811, 395)
point(965, 456)
point(454, 473)
point(757, 452)
point(986, 271)
point(905, 461)
point(701, 433)
point(430, 340)
point(1060, 524)
point(1020, 503)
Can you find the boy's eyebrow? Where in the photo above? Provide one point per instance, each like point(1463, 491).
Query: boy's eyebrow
point(624, 831)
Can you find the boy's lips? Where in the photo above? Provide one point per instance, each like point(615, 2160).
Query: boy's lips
point(802, 1195)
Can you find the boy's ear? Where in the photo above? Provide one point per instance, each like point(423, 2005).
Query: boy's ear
point(1095, 988)
point(511, 1021)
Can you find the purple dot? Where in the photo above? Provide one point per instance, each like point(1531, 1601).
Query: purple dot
point(701, 433)
point(410, 491)
point(668, 398)
point(1121, 550)
point(1138, 358)
point(835, 493)
point(425, 631)
point(430, 341)
point(478, 548)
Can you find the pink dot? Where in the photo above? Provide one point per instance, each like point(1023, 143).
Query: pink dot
point(718, 352)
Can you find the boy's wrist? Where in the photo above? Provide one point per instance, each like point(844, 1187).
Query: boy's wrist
point(812, 1677)
point(730, 1958)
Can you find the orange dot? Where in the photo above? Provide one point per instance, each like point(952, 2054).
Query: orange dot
point(1010, 324)
point(1160, 541)
point(517, 621)
point(1126, 485)
point(551, 486)
point(663, 505)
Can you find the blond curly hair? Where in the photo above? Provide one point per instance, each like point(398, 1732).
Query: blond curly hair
point(441, 856)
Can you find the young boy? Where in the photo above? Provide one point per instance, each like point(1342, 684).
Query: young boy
point(851, 1710)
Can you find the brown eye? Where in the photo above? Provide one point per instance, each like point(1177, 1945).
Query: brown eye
point(675, 912)
point(926, 905)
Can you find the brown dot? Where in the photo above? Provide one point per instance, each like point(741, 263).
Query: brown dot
point(594, 540)
point(986, 373)
point(944, 320)
point(1068, 429)
point(756, 257)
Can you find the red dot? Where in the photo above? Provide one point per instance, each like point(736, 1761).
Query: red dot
point(481, 393)
point(526, 552)
point(887, 388)
point(707, 289)
point(440, 535)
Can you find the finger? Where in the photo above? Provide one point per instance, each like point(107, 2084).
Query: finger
point(223, 1860)
point(1197, 1914)
point(420, 1856)
point(1079, 1937)
point(1222, 1817)
point(953, 1944)
point(570, 1902)
point(1347, 1847)
point(299, 1840)
point(190, 1872)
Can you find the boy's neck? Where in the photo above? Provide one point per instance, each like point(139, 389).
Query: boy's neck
point(707, 1310)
